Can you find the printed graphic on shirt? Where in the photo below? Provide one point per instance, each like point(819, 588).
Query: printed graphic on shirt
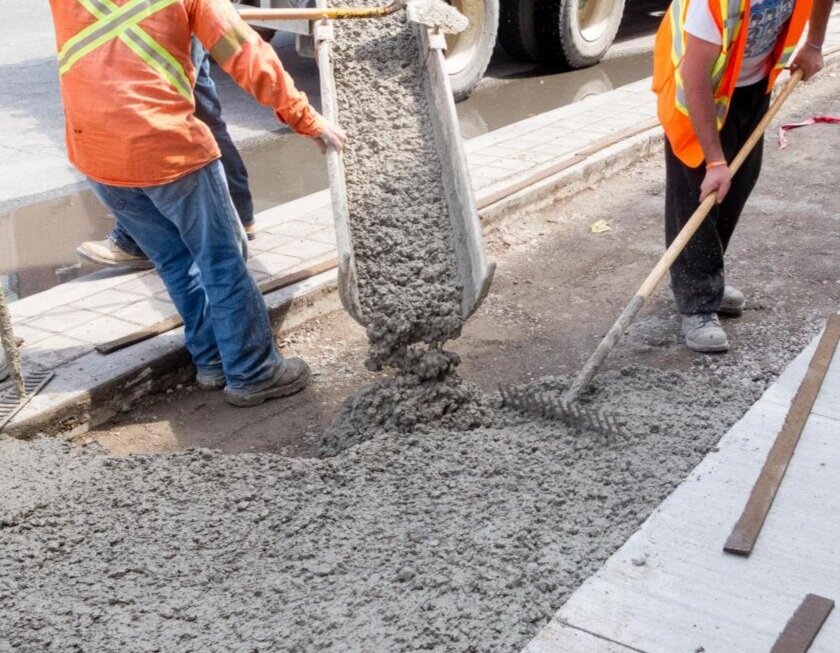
point(767, 19)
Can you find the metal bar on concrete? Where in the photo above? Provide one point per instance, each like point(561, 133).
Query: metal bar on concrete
point(746, 531)
point(802, 628)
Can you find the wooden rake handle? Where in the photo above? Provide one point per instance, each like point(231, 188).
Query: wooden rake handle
point(677, 246)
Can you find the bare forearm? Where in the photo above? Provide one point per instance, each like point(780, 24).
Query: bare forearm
point(820, 12)
point(701, 108)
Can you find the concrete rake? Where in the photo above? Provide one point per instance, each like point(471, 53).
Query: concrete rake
point(565, 407)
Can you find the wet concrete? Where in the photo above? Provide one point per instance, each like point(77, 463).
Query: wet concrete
point(37, 249)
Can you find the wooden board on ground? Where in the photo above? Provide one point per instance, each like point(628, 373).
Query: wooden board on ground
point(745, 533)
point(803, 626)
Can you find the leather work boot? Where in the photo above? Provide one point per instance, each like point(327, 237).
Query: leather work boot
point(107, 252)
point(732, 304)
point(210, 382)
point(292, 377)
point(703, 333)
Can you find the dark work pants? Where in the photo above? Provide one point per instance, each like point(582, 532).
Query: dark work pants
point(697, 276)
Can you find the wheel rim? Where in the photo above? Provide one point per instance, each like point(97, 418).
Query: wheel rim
point(461, 48)
point(593, 18)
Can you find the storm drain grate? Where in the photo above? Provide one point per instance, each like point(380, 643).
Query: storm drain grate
point(11, 402)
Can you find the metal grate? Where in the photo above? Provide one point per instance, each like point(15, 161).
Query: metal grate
point(11, 402)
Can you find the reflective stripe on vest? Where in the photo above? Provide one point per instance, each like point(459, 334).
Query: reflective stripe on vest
point(732, 14)
point(114, 22)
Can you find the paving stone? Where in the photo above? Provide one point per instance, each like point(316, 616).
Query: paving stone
point(146, 311)
point(272, 263)
point(103, 329)
point(293, 228)
point(146, 284)
point(53, 351)
point(268, 241)
point(30, 333)
point(305, 249)
point(324, 236)
point(63, 318)
point(108, 301)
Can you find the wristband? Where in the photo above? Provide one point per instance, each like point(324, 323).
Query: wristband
point(716, 164)
point(814, 46)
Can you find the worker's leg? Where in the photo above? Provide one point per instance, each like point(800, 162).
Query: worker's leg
point(200, 208)
point(140, 218)
point(125, 242)
point(208, 109)
point(749, 104)
point(697, 273)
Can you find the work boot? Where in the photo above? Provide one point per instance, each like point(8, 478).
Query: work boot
point(210, 382)
point(107, 252)
point(703, 333)
point(732, 304)
point(292, 377)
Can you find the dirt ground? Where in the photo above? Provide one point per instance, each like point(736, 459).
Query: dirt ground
point(558, 288)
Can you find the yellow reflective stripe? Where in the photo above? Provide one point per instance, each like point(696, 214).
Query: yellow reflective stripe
point(93, 9)
point(107, 29)
point(674, 13)
point(725, 32)
point(230, 43)
point(785, 56)
point(145, 47)
point(149, 50)
point(151, 53)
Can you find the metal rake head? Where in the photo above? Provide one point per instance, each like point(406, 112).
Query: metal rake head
point(550, 405)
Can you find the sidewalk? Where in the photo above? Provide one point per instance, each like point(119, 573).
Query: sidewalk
point(522, 167)
point(671, 588)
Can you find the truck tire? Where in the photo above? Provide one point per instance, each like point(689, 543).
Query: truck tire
point(468, 53)
point(577, 33)
point(518, 30)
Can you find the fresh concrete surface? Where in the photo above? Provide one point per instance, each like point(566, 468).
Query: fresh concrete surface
point(672, 589)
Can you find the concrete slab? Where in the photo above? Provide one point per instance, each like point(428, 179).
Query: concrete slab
point(671, 588)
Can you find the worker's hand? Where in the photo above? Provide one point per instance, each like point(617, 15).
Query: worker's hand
point(810, 60)
point(330, 135)
point(717, 181)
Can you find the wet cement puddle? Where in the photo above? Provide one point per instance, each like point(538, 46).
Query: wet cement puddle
point(38, 242)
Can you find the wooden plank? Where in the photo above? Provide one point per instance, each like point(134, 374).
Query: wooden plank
point(746, 531)
point(802, 628)
point(170, 323)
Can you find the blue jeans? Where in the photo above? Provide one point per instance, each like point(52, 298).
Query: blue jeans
point(190, 231)
point(208, 109)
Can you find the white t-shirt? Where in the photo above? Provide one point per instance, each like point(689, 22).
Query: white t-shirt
point(767, 20)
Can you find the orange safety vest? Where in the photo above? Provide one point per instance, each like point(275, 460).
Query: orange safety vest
point(127, 79)
point(732, 18)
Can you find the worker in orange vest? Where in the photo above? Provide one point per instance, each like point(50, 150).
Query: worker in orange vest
point(127, 86)
point(715, 63)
